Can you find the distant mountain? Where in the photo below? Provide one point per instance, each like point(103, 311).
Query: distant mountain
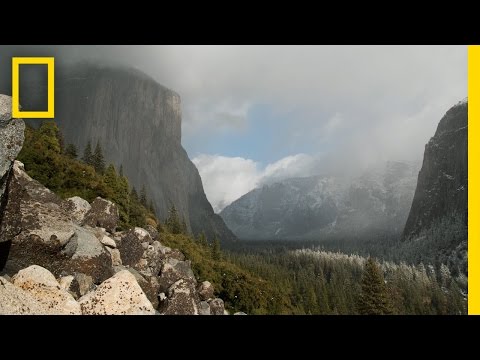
point(321, 206)
point(442, 190)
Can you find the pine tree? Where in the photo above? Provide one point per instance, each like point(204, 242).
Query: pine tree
point(202, 239)
point(136, 211)
point(373, 299)
point(87, 154)
point(151, 207)
point(216, 252)
point(111, 180)
point(98, 160)
point(134, 194)
point(184, 227)
point(143, 196)
point(173, 221)
point(71, 151)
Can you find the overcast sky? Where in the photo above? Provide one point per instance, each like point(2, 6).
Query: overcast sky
point(253, 113)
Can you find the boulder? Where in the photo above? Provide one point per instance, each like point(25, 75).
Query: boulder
point(65, 282)
point(151, 262)
point(115, 255)
point(130, 247)
point(108, 241)
point(240, 313)
point(174, 270)
point(16, 301)
point(205, 291)
point(89, 256)
point(143, 235)
point(43, 286)
point(35, 215)
point(103, 213)
point(81, 285)
point(217, 307)
point(11, 142)
point(152, 231)
point(182, 299)
point(149, 285)
point(77, 208)
point(119, 295)
point(176, 254)
point(203, 308)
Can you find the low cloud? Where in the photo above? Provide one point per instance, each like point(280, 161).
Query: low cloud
point(225, 179)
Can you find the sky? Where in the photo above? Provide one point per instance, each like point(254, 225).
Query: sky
point(256, 114)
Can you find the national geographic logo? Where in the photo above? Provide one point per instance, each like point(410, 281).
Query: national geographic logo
point(16, 62)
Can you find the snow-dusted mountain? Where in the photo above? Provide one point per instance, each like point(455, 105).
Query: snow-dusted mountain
point(321, 206)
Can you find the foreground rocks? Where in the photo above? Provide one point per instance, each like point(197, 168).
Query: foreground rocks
point(66, 257)
point(119, 295)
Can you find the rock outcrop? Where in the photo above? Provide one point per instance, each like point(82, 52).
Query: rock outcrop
point(138, 123)
point(11, 142)
point(442, 187)
point(42, 233)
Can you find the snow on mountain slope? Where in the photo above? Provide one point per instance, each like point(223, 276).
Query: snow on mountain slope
point(322, 206)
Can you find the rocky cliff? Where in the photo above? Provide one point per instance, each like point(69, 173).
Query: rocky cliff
point(442, 187)
point(138, 123)
point(324, 206)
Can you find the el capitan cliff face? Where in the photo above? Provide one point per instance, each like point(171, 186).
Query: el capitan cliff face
point(138, 123)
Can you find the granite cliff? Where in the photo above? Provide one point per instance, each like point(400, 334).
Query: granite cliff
point(138, 123)
point(442, 187)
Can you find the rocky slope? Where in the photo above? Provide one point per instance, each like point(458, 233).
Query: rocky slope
point(313, 207)
point(138, 123)
point(442, 189)
point(66, 257)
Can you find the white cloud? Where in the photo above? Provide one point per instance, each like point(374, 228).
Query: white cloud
point(225, 179)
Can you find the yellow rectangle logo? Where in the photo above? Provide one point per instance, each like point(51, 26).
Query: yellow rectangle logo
point(16, 62)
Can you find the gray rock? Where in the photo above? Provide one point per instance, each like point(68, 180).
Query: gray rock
point(11, 142)
point(182, 299)
point(240, 313)
point(217, 307)
point(115, 255)
point(43, 286)
point(205, 291)
point(149, 285)
point(77, 208)
point(90, 256)
point(119, 295)
point(203, 308)
point(143, 235)
point(130, 247)
point(103, 213)
point(152, 231)
point(174, 270)
point(176, 254)
point(5, 109)
point(82, 284)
